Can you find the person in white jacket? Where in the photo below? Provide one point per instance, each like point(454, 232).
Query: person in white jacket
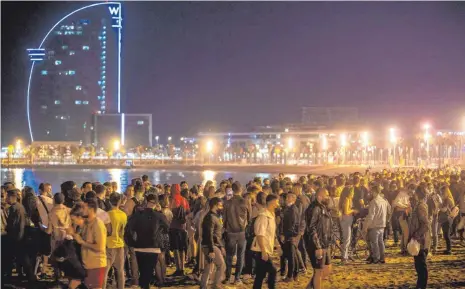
point(402, 208)
point(378, 214)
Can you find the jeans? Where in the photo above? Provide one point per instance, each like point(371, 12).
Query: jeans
point(404, 227)
point(261, 269)
point(375, 236)
point(218, 261)
point(249, 259)
point(421, 268)
point(146, 263)
point(290, 253)
point(346, 226)
point(446, 232)
point(303, 252)
point(115, 257)
point(134, 266)
point(235, 243)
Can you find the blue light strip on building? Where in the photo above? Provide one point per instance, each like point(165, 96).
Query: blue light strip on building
point(119, 60)
point(43, 49)
point(122, 128)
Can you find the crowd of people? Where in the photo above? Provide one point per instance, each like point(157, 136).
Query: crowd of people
point(94, 235)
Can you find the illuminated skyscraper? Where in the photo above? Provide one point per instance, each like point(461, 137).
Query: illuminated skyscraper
point(75, 73)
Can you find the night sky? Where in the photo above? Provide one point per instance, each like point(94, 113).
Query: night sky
point(232, 65)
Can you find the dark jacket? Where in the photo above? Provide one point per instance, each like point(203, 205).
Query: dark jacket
point(16, 222)
point(419, 224)
point(290, 225)
point(212, 231)
point(302, 202)
point(318, 226)
point(145, 229)
point(235, 214)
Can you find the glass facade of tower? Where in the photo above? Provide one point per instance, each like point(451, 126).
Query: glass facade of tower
point(75, 74)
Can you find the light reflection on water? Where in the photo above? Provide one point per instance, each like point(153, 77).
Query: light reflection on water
point(56, 176)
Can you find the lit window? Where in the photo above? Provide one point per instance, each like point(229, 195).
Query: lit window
point(103, 72)
point(58, 33)
point(85, 102)
point(103, 57)
point(103, 77)
point(85, 47)
point(78, 87)
point(44, 72)
point(78, 102)
point(71, 52)
point(57, 116)
point(140, 122)
point(71, 27)
point(78, 32)
point(103, 82)
point(104, 38)
point(104, 47)
point(62, 117)
point(72, 72)
point(104, 62)
point(104, 27)
point(103, 87)
point(84, 21)
point(101, 97)
point(104, 32)
point(103, 67)
point(79, 28)
point(48, 132)
point(104, 52)
point(64, 47)
point(99, 112)
point(102, 107)
point(102, 102)
point(104, 42)
point(44, 107)
point(57, 102)
point(57, 62)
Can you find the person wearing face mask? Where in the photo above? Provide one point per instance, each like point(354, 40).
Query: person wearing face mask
point(318, 227)
point(289, 236)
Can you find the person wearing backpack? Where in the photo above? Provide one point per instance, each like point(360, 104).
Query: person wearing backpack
point(178, 233)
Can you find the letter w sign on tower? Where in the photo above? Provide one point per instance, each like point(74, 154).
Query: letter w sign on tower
point(115, 12)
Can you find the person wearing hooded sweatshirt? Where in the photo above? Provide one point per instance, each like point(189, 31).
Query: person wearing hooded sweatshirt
point(178, 233)
point(58, 222)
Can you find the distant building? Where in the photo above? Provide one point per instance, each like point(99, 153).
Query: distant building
point(131, 130)
point(329, 116)
point(75, 73)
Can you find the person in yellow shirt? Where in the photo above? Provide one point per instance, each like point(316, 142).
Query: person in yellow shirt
point(115, 242)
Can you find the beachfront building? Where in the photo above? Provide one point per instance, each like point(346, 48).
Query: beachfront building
point(75, 73)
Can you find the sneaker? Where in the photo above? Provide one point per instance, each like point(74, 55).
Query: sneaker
point(287, 280)
point(247, 276)
point(237, 282)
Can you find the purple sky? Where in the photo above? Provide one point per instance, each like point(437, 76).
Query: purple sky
point(233, 65)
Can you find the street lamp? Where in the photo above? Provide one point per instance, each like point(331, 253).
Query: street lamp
point(426, 137)
point(209, 148)
point(18, 146)
point(116, 145)
point(365, 143)
point(393, 141)
point(157, 138)
point(169, 139)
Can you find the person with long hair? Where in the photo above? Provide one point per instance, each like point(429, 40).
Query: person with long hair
point(443, 217)
point(347, 219)
point(178, 233)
